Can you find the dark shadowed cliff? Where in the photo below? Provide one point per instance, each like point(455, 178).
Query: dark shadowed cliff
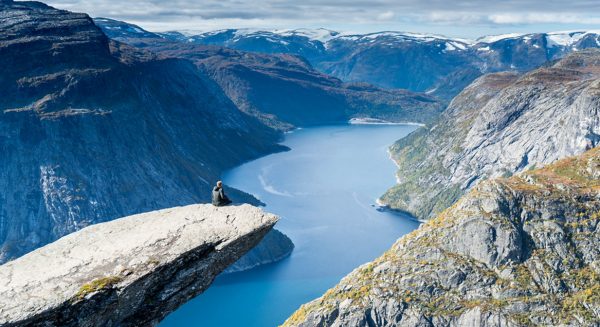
point(91, 129)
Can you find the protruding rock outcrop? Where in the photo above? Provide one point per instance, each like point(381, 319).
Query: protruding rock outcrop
point(131, 271)
point(501, 124)
point(519, 251)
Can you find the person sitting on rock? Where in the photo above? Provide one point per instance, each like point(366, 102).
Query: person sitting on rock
point(218, 196)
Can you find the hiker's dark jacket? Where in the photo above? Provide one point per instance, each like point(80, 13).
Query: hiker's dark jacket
point(218, 197)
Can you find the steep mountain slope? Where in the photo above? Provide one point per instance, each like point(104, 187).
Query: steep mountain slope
point(499, 125)
point(284, 90)
point(91, 129)
point(418, 62)
point(400, 60)
point(521, 251)
point(287, 90)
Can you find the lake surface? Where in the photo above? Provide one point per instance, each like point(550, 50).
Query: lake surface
point(325, 190)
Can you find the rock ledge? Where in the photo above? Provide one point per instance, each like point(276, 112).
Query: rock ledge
point(131, 271)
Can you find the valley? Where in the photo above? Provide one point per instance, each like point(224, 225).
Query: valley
point(106, 128)
point(325, 192)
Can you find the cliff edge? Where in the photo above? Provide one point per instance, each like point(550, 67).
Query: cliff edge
point(131, 271)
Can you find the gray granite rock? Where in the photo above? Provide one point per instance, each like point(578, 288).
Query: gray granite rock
point(132, 271)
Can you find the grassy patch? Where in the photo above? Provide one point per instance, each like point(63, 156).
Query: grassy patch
point(97, 285)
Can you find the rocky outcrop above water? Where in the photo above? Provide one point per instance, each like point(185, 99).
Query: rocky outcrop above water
point(518, 251)
point(131, 271)
point(501, 124)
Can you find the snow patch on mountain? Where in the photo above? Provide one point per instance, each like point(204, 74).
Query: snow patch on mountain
point(568, 38)
point(496, 38)
point(320, 34)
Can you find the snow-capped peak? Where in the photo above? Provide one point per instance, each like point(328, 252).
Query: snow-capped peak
point(567, 38)
point(320, 34)
point(561, 38)
point(495, 38)
point(455, 43)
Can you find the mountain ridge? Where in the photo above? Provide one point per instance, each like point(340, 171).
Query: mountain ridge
point(501, 124)
point(284, 90)
point(420, 62)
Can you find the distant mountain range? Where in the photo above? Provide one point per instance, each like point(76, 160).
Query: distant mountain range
point(282, 90)
point(435, 64)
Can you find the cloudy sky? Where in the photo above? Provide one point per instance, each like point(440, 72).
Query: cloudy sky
point(463, 18)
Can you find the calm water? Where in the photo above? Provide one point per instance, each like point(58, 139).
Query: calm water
point(324, 189)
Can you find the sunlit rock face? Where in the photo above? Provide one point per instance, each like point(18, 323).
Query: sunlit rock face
point(501, 124)
point(518, 251)
point(131, 271)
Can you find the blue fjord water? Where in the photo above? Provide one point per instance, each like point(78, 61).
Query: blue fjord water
point(325, 190)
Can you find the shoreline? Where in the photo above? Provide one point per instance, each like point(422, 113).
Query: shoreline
point(384, 207)
point(375, 121)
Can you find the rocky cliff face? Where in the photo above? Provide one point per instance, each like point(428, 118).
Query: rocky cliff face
point(92, 129)
point(131, 271)
point(518, 251)
point(284, 90)
point(501, 124)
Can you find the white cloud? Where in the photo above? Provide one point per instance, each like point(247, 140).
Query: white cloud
point(537, 18)
point(362, 15)
point(388, 15)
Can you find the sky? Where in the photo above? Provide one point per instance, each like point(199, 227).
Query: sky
point(460, 18)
